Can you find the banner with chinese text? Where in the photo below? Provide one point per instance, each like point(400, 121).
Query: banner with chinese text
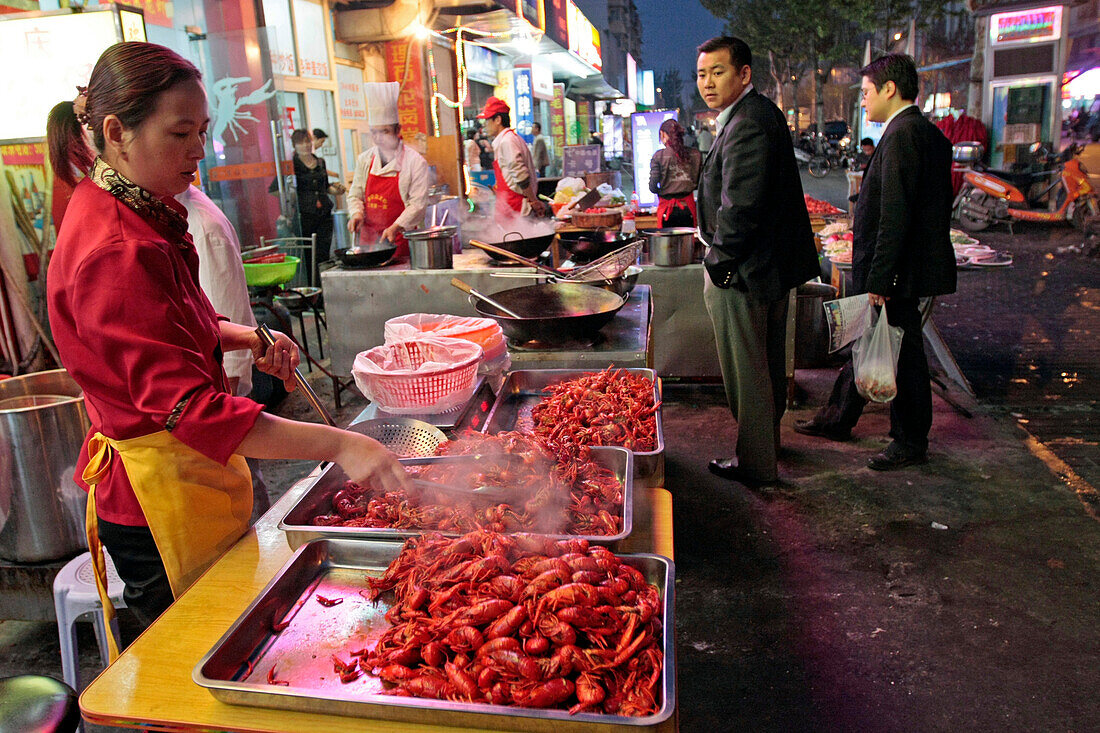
point(412, 110)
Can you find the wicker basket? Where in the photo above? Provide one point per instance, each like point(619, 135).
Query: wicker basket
point(609, 219)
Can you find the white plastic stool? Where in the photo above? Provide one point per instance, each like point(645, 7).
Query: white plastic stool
point(75, 596)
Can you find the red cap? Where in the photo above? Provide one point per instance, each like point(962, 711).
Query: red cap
point(494, 106)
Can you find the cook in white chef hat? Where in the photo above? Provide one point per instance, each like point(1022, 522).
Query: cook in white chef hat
point(382, 114)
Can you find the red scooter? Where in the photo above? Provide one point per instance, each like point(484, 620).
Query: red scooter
point(1062, 192)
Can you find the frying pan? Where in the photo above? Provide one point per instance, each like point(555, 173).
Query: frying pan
point(590, 244)
point(565, 311)
point(529, 247)
point(355, 259)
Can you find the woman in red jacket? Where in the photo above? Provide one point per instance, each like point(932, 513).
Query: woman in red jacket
point(169, 490)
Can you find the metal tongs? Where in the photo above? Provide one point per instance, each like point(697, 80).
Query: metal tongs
point(491, 493)
point(269, 340)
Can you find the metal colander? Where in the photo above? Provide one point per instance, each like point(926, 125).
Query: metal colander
point(404, 436)
point(608, 267)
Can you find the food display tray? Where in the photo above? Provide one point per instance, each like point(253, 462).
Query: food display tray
point(317, 499)
point(523, 389)
point(237, 669)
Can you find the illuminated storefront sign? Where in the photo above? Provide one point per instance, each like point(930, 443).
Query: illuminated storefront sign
point(524, 113)
point(557, 21)
point(1027, 26)
point(584, 39)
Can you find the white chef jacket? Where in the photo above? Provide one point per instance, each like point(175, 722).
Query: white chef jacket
point(516, 163)
point(221, 274)
point(412, 182)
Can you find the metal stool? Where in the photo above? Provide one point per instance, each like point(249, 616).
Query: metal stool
point(75, 596)
point(32, 703)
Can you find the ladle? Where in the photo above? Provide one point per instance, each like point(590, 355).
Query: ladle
point(481, 296)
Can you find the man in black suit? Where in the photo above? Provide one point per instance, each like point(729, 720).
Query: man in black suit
point(901, 252)
point(753, 216)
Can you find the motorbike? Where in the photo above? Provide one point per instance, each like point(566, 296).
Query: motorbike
point(1061, 191)
point(821, 155)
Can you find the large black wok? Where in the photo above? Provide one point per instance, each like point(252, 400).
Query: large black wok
point(530, 247)
point(591, 244)
point(355, 259)
point(559, 312)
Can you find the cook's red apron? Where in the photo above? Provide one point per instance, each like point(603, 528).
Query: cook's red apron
point(382, 205)
point(509, 202)
point(666, 206)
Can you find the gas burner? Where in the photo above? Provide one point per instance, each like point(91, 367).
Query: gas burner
point(567, 345)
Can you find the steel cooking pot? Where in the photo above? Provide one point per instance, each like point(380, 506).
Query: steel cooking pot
point(432, 248)
point(671, 246)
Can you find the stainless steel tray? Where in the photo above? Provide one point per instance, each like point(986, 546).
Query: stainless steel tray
point(523, 389)
point(317, 499)
point(236, 670)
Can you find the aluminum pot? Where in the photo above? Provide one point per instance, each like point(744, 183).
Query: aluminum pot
point(432, 248)
point(672, 246)
point(42, 428)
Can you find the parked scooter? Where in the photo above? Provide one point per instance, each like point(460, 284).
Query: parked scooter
point(1060, 192)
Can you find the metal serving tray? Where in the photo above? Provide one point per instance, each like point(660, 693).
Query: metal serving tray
point(317, 499)
point(236, 670)
point(523, 389)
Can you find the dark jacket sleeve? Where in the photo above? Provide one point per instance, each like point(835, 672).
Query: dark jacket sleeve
point(900, 182)
point(744, 189)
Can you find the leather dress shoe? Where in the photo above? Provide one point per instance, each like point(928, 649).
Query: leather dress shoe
point(895, 457)
point(727, 468)
point(818, 430)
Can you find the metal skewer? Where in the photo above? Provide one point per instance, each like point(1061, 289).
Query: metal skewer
point(480, 296)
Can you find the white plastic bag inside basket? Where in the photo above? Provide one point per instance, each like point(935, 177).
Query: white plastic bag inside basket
point(415, 325)
point(430, 374)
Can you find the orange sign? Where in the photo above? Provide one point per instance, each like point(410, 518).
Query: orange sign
point(411, 107)
point(247, 170)
point(23, 154)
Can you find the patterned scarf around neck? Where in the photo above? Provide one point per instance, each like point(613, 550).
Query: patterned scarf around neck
point(143, 202)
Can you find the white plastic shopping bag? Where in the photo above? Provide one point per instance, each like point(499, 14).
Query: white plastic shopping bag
point(875, 360)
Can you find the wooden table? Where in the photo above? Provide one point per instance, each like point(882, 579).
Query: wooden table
point(150, 685)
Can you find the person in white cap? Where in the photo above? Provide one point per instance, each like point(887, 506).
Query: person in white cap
point(517, 180)
point(389, 190)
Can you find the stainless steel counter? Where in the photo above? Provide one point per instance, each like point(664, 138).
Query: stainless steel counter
point(359, 302)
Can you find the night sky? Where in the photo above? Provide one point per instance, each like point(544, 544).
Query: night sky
point(671, 29)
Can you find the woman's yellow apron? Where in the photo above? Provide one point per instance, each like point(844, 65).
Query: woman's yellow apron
point(196, 507)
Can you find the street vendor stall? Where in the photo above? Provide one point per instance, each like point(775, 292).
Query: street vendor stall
point(152, 683)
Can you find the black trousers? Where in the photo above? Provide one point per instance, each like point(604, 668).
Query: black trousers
point(322, 225)
point(148, 593)
point(911, 410)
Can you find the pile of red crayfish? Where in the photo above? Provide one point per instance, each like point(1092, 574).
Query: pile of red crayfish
point(611, 407)
point(518, 620)
point(563, 493)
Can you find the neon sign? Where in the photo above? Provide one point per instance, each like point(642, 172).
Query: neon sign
point(584, 39)
point(1027, 26)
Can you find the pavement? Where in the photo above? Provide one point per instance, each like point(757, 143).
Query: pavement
point(961, 594)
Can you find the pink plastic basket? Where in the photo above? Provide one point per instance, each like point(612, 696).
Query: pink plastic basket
point(385, 374)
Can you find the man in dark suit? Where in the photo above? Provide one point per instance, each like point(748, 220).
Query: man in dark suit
point(753, 216)
point(901, 252)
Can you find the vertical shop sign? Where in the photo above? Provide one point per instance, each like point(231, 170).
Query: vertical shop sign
point(309, 29)
point(557, 117)
point(280, 37)
point(583, 127)
point(353, 105)
point(524, 112)
point(542, 79)
point(411, 107)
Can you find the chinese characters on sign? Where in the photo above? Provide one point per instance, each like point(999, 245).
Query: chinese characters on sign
point(411, 107)
point(557, 117)
point(584, 39)
point(352, 104)
point(309, 29)
point(525, 106)
point(157, 12)
point(1038, 24)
